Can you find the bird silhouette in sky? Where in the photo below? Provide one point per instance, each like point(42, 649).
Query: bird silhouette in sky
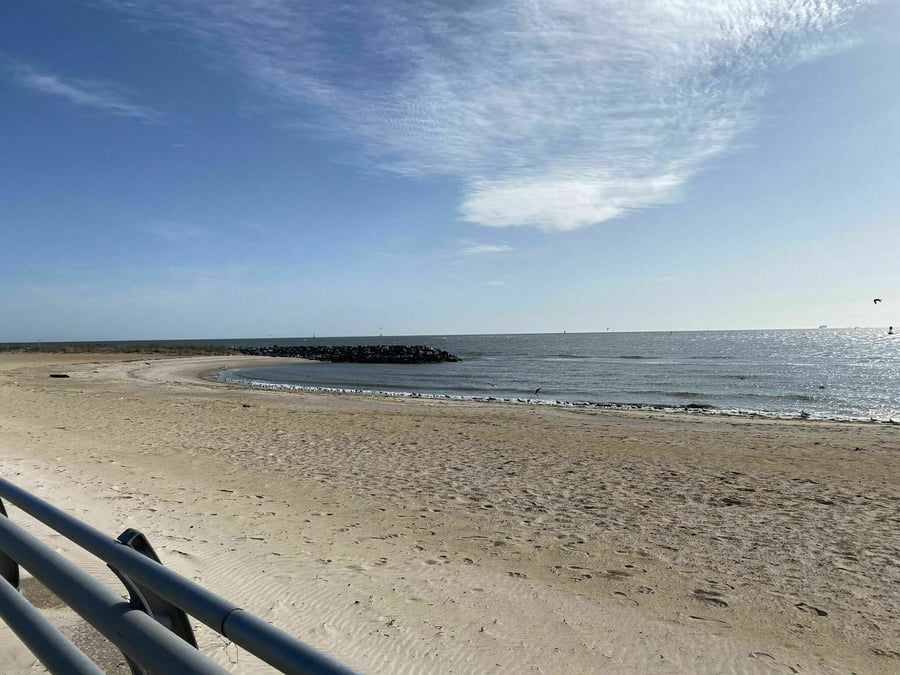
point(877, 300)
point(537, 390)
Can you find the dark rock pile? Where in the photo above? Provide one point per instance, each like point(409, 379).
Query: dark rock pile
point(356, 353)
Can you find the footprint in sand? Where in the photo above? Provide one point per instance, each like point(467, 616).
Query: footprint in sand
point(803, 607)
point(703, 618)
point(761, 655)
point(713, 598)
point(579, 573)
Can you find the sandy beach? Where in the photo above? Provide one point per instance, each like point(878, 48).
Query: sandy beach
point(414, 536)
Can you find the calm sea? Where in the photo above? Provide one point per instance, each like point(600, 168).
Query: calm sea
point(825, 373)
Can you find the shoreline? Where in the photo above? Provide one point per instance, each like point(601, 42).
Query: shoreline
point(217, 375)
point(397, 533)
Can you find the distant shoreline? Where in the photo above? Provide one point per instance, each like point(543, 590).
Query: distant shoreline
point(115, 348)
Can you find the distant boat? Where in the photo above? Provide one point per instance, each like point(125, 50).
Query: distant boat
point(823, 326)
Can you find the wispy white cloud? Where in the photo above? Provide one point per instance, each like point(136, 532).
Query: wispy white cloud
point(478, 248)
point(106, 96)
point(551, 113)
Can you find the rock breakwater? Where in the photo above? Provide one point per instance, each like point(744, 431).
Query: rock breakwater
point(355, 353)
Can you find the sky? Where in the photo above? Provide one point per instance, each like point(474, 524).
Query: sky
point(189, 169)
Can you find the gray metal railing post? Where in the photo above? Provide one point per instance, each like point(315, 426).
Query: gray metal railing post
point(166, 613)
point(272, 645)
point(45, 641)
point(140, 638)
point(9, 569)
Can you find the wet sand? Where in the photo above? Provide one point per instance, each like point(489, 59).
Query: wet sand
point(405, 535)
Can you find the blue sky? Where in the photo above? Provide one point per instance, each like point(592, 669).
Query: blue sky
point(195, 169)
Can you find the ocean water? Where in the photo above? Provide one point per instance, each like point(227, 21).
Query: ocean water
point(849, 374)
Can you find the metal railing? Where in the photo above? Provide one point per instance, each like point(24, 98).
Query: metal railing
point(151, 629)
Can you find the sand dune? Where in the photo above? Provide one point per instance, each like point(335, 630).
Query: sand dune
point(409, 536)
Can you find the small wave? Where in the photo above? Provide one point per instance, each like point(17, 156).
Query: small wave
point(676, 394)
point(638, 357)
point(712, 358)
point(690, 408)
point(800, 397)
point(774, 396)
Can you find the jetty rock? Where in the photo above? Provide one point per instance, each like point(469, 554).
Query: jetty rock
point(355, 353)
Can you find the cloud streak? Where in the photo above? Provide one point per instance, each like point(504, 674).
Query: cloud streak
point(108, 97)
point(477, 248)
point(551, 113)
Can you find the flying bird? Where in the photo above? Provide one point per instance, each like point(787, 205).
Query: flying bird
point(877, 300)
point(537, 390)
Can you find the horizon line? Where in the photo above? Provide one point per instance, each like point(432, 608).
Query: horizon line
point(412, 335)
